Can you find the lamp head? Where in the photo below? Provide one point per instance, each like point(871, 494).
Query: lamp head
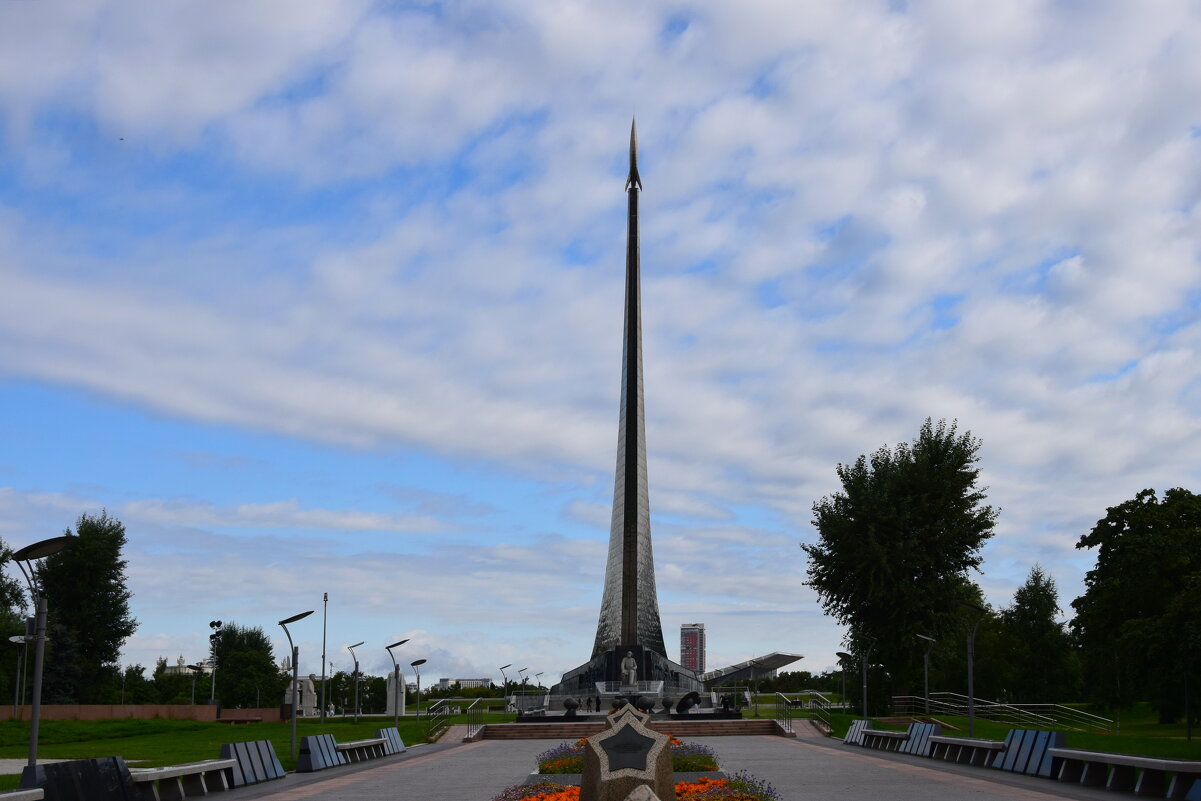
point(502, 667)
point(395, 645)
point(44, 548)
point(294, 618)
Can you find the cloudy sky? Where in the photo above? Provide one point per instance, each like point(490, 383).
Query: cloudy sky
point(326, 297)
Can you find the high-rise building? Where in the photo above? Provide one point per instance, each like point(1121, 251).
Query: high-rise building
point(692, 646)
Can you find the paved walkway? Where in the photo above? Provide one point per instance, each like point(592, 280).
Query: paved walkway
point(804, 769)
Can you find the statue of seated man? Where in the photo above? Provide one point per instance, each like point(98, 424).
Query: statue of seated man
point(629, 669)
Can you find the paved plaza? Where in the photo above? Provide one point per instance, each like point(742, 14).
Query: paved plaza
point(804, 769)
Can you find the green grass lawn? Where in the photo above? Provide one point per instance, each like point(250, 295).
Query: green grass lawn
point(152, 743)
point(1141, 734)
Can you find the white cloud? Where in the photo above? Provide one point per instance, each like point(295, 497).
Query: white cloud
point(972, 210)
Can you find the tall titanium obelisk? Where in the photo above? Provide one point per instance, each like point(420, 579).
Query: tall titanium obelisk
point(629, 613)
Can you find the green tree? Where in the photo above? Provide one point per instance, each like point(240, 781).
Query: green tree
point(1138, 621)
point(247, 675)
point(89, 618)
point(1042, 662)
point(12, 618)
point(896, 543)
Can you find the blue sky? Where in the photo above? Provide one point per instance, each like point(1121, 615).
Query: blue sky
point(330, 301)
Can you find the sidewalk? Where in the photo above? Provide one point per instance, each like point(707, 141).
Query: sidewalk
point(803, 769)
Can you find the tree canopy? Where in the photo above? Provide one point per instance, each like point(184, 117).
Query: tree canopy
point(89, 617)
point(247, 675)
point(1138, 622)
point(1041, 660)
point(896, 544)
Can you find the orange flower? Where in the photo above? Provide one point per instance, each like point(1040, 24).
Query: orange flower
point(686, 790)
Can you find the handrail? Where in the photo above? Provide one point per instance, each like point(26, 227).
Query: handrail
point(784, 711)
point(1048, 715)
point(438, 720)
point(475, 718)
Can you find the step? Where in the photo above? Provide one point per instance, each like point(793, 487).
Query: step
point(676, 728)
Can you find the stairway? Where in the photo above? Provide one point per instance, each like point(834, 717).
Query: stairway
point(676, 728)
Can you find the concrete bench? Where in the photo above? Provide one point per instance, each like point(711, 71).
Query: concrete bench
point(855, 732)
point(176, 782)
point(884, 740)
point(965, 750)
point(1026, 751)
point(360, 750)
point(319, 752)
point(255, 761)
point(23, 795)
point(1140, 774)
point(393, 744)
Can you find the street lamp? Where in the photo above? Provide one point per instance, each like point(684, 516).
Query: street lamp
point(415, 664)
point(396, 688)
point(505, 678)
point(926, 663)
point(19, 672)
point(214, 639)
point(30, 553)
point(324, 619)
point(867, 654)
point(844, 659)
point(195, 669)
point(521, 706)
point(355, 678)
point(292, 649)
point(537, 680)
point(971, 656)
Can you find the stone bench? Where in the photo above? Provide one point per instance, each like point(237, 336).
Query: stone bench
point(360, 750)
point(23, 795)
point(255, 761)
point(319, 752)
point(1026, 751)
point(884, 740)
point(182, 781)
point(965, 750)
point(393, 744)
point(855, 732)
point(1140, 774)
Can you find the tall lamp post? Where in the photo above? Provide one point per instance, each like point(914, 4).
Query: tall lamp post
point(30, 553)
point(505, 680)
point(195, 669)
point(926, 667)
point(324, 620)
point(19, 676)
point(521, 705)
point(214, 639)
point(844, 659)
point(415, 664)
point(355, 678)
point(292, 649)
point(396, 688)
point(971, 656)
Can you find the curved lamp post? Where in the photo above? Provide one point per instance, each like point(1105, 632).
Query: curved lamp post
point(415, 664)
point(505, 679)
point(971, 668)
point(524, 678)
point(295, 670)
point(30, 553)
point(355, 678)
point(396, 688)
point(926, 666)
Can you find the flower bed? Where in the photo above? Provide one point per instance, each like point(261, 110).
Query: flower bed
point(739, 787)
point(569, 758)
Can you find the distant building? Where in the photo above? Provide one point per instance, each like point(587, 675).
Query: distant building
point(464, 684)
point(180, 668)
point(692, 646)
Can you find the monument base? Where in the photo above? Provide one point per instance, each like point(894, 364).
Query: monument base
point(657, 676)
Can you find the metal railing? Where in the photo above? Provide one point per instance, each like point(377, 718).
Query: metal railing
point(437, 722)
point(475, 718)
point(784, 711)
point(640, 687)
point(1053, 716)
